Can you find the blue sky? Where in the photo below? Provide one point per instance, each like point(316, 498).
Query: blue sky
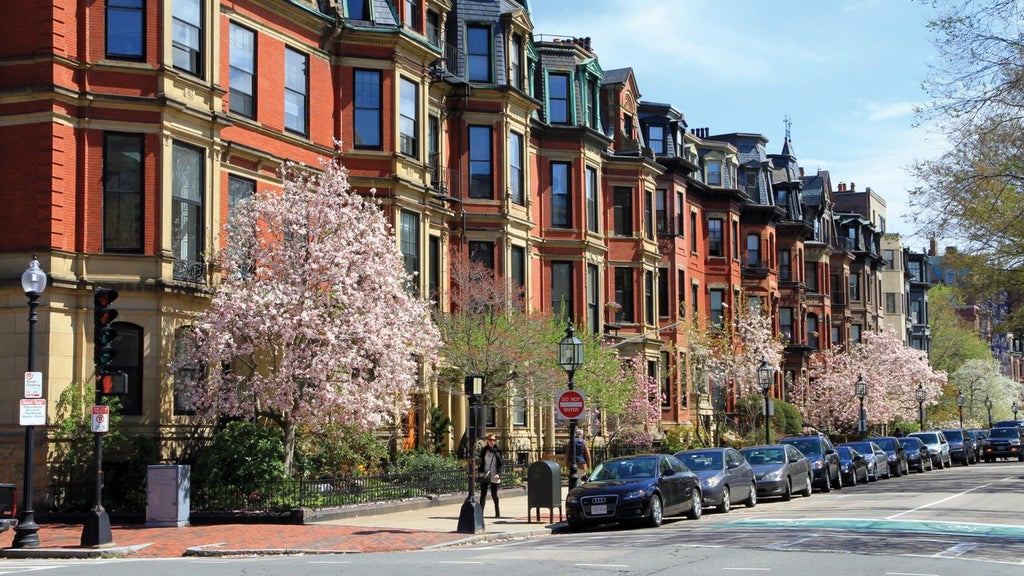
point(847, 73)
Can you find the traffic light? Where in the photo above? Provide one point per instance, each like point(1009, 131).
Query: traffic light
point(103, 332)
point(112, 383)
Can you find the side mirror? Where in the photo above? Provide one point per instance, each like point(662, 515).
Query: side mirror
point(668, 472)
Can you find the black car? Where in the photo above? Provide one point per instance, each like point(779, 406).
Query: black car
point(635, 489)
point(960, 448)
point(855, 465)
point(918, 457)
point(898, 464)
point(828, 472)
point(1003, 443)
point(1006, 423)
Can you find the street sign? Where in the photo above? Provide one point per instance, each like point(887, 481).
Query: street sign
point(569, 405)
point(33, 384)
point(101, 418)
point(33, 412)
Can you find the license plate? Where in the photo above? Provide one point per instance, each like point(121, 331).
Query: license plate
point(599, 509)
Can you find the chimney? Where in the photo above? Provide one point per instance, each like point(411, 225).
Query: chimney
point(842, 186)
point(853, 186)
point(933, 247)
point(801, 171)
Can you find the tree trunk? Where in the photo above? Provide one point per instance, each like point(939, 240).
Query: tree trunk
point(289, 445)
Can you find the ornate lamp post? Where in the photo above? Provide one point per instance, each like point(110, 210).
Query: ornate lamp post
point(960, 407)
point(471, 517)
point(1015, 409)
point(920, 396)
point(861, 389)
point(570, 358)
point(26, 534)
point(988, 406)
point(765, 374)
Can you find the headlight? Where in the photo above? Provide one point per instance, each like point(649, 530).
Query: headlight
point(774, 475)
point(572, 499)
point(711, 482)
point(1015, 442)
point(633, 494)
point(933, 450)
point(818, 464)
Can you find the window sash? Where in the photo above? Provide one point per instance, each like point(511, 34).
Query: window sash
point(478, 53)
point(242, 71)
point(558, 98)
point(715, 239)
point(481, 181)
point(624, 293)
point(622, 211)
point(714, 170)
point(656, 139)
point(187, 202)
point(561, 206)
point(123, 183)
point(593, 222)
point(367, 108)
point(126, 29)
point(409, 123)
point(515, 161)
point(187, 35)
point(296, 91)
point(561, 288)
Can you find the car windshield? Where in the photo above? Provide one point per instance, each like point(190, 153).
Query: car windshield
point(806, 445)
point(765, 456)
point(697, 461)
point(929, 437)
point(886, 443)
point(1004, 433)
point(953, 435)
point(844, 452)
point(633, 468)
point(862, 447)
point(911, 443)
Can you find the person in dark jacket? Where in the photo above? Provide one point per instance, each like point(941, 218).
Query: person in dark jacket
point(489, 468)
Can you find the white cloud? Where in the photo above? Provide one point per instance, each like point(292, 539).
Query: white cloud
point(879, 111)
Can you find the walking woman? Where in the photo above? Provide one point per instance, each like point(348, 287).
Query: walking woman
point(489, 468)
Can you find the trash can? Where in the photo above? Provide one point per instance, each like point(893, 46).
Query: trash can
point(544, 489)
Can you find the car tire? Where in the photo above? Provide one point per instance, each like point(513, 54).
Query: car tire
point(787, 490)
point(655, 518)
point(839, 480)
point(809, 487)
point(752, 499)
point(726, 503)
point(828, 482)
point(695, 508)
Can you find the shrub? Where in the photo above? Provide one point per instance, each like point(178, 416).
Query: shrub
point(244, 455)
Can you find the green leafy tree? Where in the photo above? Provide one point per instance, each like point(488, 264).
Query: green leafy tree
point(438, 426)
point(954, 341)
point(244, 455)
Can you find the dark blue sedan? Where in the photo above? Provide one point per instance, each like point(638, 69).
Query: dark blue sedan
point(639, 489)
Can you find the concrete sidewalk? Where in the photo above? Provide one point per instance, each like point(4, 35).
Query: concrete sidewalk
point(398, 526)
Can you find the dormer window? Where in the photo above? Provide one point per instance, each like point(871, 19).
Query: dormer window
point(357, 9)
point(656, 139)
point(478, 52)
point(714, 172)
point(558, 99)
point(412, 14)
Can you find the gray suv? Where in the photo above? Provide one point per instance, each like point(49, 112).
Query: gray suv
point(938, 447)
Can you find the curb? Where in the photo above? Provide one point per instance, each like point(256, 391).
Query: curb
point(103, 552)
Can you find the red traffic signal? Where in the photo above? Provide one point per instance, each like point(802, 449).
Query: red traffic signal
point(112, 383)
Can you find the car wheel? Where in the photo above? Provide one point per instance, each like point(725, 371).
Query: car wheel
point(726, 504)
point(828, 482)
point(752, 500)
point(967, 461)
point(695, 509)
point(655, 519)
point(808, 488)
point(839, 480)
point(787, 490)
point(906, 468)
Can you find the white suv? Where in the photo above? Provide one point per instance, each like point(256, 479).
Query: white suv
point(938, 447)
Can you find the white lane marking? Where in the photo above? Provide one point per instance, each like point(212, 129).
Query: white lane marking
point(326, 562)
point(459, 562)
point(748, 569)
point(957, 550)
point(910, 574)
point(602, 565)
point(930, 504)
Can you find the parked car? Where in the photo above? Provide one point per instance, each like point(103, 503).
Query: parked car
point(978, 436)
point(822, 455)
point(8, 507)
point(724, 475)
point(898, 464)
point(1003, 443)
point(642, 488)
point(960, 448)
point(918, 457)
point(855, 465)
point(938, 447)
point(779, 469)
point(1005, 423)
point(878, 460)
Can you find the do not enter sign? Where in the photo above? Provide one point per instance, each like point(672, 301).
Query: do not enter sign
point(570, 404)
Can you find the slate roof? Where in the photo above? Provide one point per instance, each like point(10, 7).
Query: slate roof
point(813, 189)
point(616, 76)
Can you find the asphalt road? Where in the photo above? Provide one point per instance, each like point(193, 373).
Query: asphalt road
point(956, 522)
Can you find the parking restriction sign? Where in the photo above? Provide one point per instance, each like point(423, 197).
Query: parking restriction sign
point(100, 418)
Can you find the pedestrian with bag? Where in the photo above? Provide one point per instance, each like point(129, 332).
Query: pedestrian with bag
point(581, 452)
point(489, 473)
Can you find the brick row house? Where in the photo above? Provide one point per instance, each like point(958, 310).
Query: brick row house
point(129, 129)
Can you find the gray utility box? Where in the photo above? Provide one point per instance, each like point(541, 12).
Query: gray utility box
point(544, 489)
point(167, 496)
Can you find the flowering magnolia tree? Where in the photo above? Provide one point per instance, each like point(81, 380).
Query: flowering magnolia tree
point(311, 325)
point(733, 355)
point(635, 422)
point(892, 370)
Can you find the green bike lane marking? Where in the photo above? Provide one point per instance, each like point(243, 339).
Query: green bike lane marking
point(927, 526)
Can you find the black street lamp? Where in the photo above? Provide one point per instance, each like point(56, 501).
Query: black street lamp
point(471, 517)
point(861, 389)
point(920, 395)
point(1015, 409)
point(570, 358)
point(765, 375)
point(988, 406)
point(960, 407)
point(26, 534)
